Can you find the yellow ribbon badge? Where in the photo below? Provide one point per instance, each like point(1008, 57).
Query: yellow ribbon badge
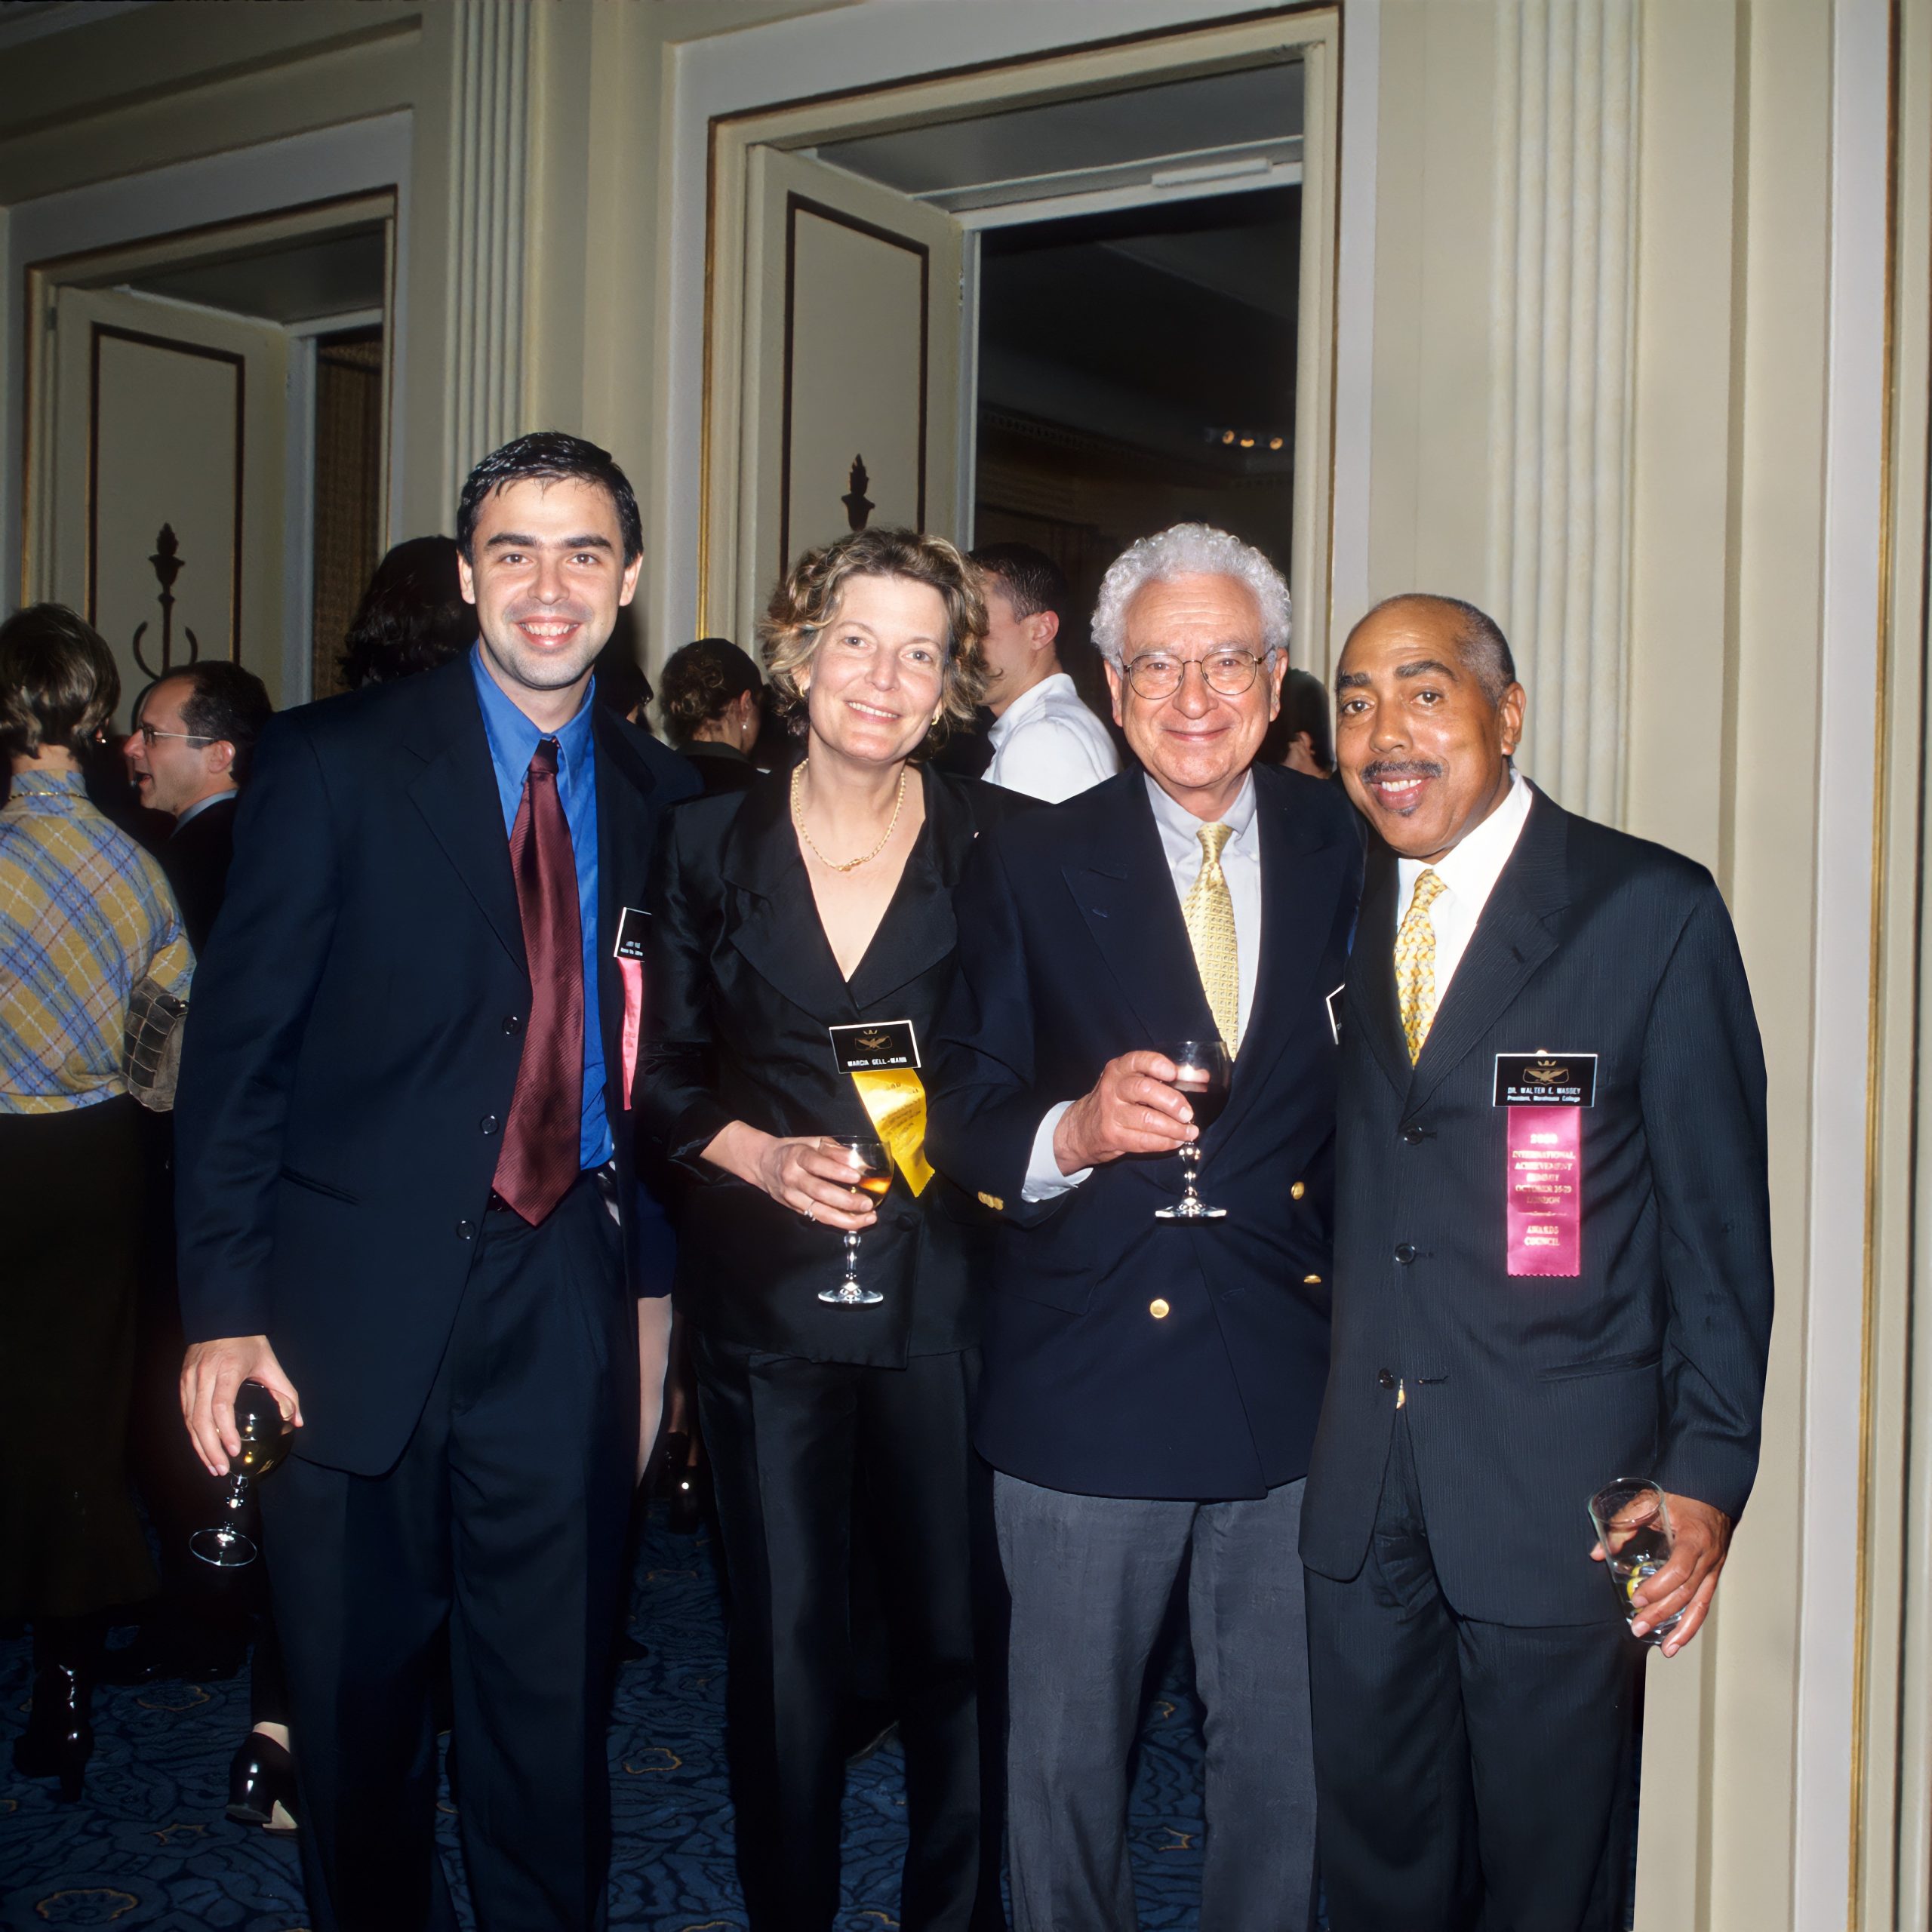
point(896, 1102)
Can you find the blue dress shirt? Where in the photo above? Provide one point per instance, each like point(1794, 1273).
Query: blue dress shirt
point(513, 742)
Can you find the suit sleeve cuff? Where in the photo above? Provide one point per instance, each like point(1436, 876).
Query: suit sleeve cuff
point(1044, 1178)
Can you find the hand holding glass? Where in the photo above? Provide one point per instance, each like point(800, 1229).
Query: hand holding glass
point(1632, 1522)
point(267, 1436)
point(876, 1177)
point(1201, 1077)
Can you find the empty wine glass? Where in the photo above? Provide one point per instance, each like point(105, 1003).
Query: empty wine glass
point(876, 1177)
point(1202, 1073)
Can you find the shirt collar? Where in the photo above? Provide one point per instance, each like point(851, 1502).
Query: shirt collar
point(201, 805)
point(512, 735)
point(1033, 698)
point(48, 784)
point(1180, 830)
point(1470, 868)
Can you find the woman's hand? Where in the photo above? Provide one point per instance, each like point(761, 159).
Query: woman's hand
point(814, 1177)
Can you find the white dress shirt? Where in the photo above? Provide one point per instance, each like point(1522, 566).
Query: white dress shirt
point(201, 804)
point(1468, 872)
point(1048, 744)
point(1241, 866)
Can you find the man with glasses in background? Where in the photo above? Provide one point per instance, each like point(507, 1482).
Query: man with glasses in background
point(1150, 1380)
point(188, 756)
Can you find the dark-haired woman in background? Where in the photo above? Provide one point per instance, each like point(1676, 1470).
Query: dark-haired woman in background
point(823, 897)
point(710, 703)
point(412, 617)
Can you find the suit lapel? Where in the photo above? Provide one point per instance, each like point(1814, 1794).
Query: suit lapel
point(1125, 892)
point(1370, 1000)
point(917, 930)
point(456, 792)
point(1516, 933)
point(780, 935)
point(1295, 920)
point(624, 825)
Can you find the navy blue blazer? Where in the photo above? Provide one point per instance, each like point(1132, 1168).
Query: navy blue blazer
point(1525, 1395)
point(1125, 1356)
point(354, 1038)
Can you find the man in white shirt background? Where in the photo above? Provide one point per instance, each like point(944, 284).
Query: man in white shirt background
point(1045, 741)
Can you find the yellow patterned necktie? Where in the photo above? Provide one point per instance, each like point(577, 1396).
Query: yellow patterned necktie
point(1415, 964)
point(1209, 913)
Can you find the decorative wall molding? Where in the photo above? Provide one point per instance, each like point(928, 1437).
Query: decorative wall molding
point(1561, 336)
point(489, 160)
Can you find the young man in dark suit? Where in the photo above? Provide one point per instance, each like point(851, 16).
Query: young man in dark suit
point(1531, 1300)
point(406, 1199)
point(1150, 1385)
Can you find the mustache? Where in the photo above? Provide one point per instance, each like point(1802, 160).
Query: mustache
point(1377, 769)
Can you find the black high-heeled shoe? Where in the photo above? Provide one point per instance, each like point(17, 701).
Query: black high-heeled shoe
point(261, 1785)
point(59, 1739)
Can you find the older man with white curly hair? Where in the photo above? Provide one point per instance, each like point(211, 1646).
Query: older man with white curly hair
point(1157, 1341)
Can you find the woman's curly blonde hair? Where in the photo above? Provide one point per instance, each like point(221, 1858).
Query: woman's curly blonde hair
point(807, 600)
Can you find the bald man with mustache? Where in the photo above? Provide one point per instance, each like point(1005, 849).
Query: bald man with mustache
point(1552, 1270)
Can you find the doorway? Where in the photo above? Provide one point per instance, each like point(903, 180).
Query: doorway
point(208, 469)
point(1091, 298)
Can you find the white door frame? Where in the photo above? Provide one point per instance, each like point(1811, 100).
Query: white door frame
point(356, 158)
point(881, 43)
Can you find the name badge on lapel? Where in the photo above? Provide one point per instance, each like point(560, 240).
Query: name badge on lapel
point(1545, 1094)
point(882, 1057)
point(629, 953)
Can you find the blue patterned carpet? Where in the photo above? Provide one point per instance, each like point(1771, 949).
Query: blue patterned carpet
point(148, 1846)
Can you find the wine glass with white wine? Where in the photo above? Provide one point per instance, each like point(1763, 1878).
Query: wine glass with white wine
point(875, 1176)
point(267, 1436)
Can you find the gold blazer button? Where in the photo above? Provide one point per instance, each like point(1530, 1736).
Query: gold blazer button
point(1158, 1310)
point(1311, 1280)
point(1296, 1192)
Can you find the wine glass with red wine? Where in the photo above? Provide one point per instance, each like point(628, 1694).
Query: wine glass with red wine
point(1202, 1073)
point(876, 1177)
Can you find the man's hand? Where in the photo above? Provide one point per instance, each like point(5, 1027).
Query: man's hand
point(1131, 1110)
point(1701, 1540)
point(210, 1373)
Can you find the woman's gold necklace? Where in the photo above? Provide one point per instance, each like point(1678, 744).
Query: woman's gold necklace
point(851, 865)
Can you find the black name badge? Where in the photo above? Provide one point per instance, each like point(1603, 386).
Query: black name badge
point(875, 1046)
point(1546, 1080)
point(631, 925)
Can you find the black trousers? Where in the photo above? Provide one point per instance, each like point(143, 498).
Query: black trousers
point(795, 1447)
point(1466, 1774)
point(504, 1520)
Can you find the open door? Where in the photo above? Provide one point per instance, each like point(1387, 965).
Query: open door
point(851, 391)
point(167, 458)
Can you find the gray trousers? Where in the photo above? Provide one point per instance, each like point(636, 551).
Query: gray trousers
point(1090, 1578)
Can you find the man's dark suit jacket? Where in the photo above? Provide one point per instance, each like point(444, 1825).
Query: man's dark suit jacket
point(1526, 1394)
point(354, 1040)
point(196, 859)
point(742, 985)
point(1072, 951)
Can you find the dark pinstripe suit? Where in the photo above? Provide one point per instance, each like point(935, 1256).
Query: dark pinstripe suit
point(1456, 1619)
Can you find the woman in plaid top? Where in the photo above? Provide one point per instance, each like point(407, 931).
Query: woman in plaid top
point(85, 915)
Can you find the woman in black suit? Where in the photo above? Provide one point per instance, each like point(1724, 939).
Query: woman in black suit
point(822, 897)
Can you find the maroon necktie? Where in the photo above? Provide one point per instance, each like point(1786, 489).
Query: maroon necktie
point(542, 1143)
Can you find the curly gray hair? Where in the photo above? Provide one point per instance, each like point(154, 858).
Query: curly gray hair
point(1189, 549)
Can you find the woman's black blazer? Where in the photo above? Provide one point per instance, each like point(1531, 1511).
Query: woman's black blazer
point(741, 987)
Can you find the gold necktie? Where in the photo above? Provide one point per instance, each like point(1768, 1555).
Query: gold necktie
point(1415, 964)
point(1210, 914)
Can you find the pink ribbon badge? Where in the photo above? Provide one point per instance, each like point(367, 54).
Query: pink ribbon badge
point(1546, 1190)
point(633, 972)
